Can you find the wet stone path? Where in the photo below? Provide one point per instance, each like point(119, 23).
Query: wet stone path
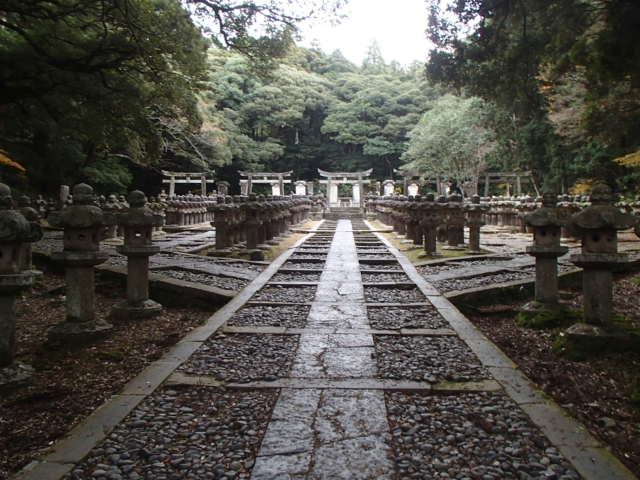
point(344, 365)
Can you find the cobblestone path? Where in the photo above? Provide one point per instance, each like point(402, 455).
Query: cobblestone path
point(339, 361)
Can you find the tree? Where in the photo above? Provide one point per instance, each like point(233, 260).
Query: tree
point(580, 59)
point(452, 140)
point(373, 115)
point(87, 85)
point(260, 30)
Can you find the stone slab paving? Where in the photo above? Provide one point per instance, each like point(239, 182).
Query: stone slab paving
point(285, 390)
point(331, 433)
point(588, 458)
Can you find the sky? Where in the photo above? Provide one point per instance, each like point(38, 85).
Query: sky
point(398, 26)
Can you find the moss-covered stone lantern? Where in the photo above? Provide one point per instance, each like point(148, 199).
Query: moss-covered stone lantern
point(138, 223)
point(83, 224)
point(597, 226)
point(475, 220)
point(15, 233)
point(546, 223)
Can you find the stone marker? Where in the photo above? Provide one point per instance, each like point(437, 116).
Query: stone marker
point(138, 223)
point(83, 224)
point(16, 232)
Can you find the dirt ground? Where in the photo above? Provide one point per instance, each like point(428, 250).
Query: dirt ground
point(602, 392)
point(69, 383)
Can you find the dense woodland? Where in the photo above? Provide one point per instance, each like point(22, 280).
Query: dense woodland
point(112, 92)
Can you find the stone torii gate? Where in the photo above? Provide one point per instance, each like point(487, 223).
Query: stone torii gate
point(275, 179)
point(186, 177)
point(356, 179)
point(410, 182)
point(498, 177)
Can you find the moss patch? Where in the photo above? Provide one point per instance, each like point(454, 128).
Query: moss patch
point(416, 255)
point(547, 319)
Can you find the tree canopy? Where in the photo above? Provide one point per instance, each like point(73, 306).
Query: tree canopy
point(568, 71)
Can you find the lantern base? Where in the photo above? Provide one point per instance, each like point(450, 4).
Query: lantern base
point(224, 252)
point(78, 332)
point(14, 376)
point(145, 309)
point(255, 255)
point(583, 340)
point(543, 315)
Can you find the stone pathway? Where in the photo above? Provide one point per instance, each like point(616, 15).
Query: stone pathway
point(311, 373)
point(331, 433)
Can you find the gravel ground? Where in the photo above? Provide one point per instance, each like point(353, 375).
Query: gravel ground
point(296, 277)
point(193, 432)
point(483, 281)
point(279, 293)
point(426, 270)
point(194, 262)
point(289, 265)
point(308, 256)
point(390, 318)
point(393, 295)
point(70, 383)
point(243, 358)
point(301, 250)
point(380, 266)
point(469, 436)
point(375, 256)
point(433, 359)
point(227, 283)
point(384, 277)
point(289, 316)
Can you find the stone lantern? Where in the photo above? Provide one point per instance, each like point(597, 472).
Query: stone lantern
point(597, 226)
point(414, 232)
point(254, 220)
point(138, 223)
point(429, 223)
point(32, 216)
point(222, 227)
point(546, 223)
point(15, 233)
point(475, 213)
point(83, 224)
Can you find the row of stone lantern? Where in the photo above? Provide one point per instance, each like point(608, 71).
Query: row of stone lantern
point(597, 226)
point(254, 221)
point(424, 219)
point(189, 209)
point(83, 224)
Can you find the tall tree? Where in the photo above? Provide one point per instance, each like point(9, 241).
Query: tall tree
point(579, 58)
point(452, 140)
point(85, 84)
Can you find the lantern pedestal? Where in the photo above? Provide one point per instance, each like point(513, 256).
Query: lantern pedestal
point(12, 374)
point(80, 324)
point(138, 304)
point(597, 284)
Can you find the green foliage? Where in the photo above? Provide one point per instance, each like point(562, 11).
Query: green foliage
point(373, 115)
point(310, 111)
point(547, 319)
point(452, 140)
point(108, 175)
point(80, 81)
point(568, 71)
